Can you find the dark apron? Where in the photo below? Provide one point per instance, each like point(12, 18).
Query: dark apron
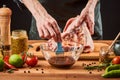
point(62, 10)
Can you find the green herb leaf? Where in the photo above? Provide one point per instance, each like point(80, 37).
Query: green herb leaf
point(96, 67)
point(10, 70)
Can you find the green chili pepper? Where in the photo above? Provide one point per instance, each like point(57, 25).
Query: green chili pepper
point(112, 74)
point(112, 71)
point(112, 67)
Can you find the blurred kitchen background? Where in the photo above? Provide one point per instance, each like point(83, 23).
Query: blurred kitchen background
point(110, 10)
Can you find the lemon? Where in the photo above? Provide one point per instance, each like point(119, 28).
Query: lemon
point(16, 60)
point(1, 64)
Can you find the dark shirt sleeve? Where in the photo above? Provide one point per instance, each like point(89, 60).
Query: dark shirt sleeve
point(17, 1)
point(20, 4)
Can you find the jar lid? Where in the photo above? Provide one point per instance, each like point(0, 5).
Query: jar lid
point(19, 33)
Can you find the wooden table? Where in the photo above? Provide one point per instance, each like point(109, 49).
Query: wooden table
point(44, 71)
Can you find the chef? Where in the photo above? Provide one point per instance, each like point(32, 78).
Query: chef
point(51, 16)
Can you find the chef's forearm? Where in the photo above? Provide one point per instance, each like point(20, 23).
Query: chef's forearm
point(35, 8)
point(91, 4)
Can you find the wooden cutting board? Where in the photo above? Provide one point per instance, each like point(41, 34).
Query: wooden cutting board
point(93, 55)
point(44, 71)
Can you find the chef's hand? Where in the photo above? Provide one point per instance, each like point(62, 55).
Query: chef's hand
point(48, 28)
point(46, 25)
point(70, 27)
point(87, 15)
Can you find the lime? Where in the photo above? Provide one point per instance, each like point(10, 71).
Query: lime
point(16, 60)
point(1, 64)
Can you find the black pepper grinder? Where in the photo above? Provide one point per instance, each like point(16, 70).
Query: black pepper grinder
point(5, 20)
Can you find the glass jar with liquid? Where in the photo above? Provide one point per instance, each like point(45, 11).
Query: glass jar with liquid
point(105, 56)
point(19, 41)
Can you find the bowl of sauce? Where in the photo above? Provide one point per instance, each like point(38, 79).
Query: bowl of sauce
point(64, 60)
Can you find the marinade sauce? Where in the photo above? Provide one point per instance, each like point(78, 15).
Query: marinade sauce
point(61, 61)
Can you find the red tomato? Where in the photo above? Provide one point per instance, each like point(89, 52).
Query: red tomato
point(32, 61)
point(116, 60)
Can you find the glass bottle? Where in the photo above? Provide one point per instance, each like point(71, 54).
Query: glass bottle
point(19, 41)
point(105, 56)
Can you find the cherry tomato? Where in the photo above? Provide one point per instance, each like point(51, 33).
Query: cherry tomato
point(116, 60)
point(32, 61)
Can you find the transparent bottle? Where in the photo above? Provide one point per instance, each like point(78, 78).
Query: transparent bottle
point(19, 41)
point(105, 56)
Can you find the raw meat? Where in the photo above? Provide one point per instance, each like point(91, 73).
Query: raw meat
point(79, 36)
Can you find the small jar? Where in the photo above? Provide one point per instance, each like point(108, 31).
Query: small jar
point(19, 41)
point(104, 55)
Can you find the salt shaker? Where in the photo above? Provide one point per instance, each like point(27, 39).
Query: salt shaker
point(5, 20)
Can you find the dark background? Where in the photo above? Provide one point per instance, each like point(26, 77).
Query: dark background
point(110, 10)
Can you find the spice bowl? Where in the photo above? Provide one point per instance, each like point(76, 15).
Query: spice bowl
point(64, 60)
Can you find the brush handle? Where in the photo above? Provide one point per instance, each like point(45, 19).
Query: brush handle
point(59, 45)
point(59, 48)
point(114, 41)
